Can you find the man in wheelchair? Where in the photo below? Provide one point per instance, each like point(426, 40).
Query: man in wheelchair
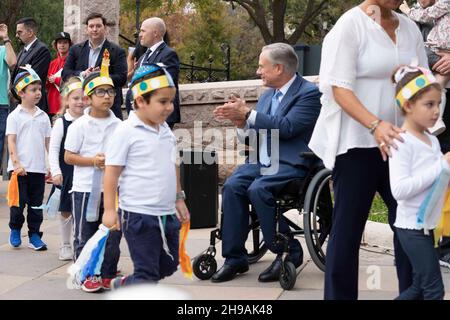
point(279, 129)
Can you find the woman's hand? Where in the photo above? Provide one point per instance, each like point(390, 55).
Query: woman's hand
point(404, 7)
point(57, 180)
point(182, 211)
point(385, 135)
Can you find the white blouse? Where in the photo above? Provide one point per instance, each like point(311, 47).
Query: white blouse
point(359, 55)
point(413, 169)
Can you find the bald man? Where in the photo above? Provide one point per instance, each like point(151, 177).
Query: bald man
point(151, 36)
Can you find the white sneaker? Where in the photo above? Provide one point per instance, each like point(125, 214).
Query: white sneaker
point(65, 253)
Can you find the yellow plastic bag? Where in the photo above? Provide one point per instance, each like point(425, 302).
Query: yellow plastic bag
point(12, 195)
point(443, 228)
point(184, 259)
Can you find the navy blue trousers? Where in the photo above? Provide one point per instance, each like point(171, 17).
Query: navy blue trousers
point(427, 280)
point(84, 230)
point(31, 194)
point(357, 176)
point(143, 234)
point(247, 186)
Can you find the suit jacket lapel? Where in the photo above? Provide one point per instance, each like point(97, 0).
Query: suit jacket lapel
point(154, 56)
point(287, 98)
point(268, 102)
point(84, 55)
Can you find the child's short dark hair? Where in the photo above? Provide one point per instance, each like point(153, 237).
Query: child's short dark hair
point(147, 97)
point(407, 78)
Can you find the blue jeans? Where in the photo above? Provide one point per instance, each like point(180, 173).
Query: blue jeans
point(4, 109)
point(427, 278)
point(85, 230)
point(143, 234)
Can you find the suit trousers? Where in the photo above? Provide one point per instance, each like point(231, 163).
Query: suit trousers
point(247, 186)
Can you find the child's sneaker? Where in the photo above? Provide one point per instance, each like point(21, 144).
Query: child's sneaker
point(445, 261)
point(92, 284)
point(118, 282)
point(14, 238)
point(36, 243)
point(65, 253)
point(106, 283)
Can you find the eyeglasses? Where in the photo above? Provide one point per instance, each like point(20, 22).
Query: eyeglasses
point(101, 92)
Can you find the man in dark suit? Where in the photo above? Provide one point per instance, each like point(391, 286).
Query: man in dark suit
point(34, 53)
point(151, 35)
point(284, 119)
point(86, 57)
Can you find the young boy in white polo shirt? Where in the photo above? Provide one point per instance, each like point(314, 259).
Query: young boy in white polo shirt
point(28, 130)
point(85, 145)
point(151, 202)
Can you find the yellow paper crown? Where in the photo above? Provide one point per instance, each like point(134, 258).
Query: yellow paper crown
point(420, 82)
point(103, 78)
point(71, 87)
point(148, 85)
point(29, 79)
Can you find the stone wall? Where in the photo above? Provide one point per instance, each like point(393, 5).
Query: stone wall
point(76, 11)
point(198, 102)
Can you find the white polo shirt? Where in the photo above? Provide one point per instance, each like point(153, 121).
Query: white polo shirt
point(88, 136)
point(148, 181)
point(31, 131)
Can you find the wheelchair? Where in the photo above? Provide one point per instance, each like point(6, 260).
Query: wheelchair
point(312, 197)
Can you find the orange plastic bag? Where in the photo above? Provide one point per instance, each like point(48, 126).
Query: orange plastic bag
point(184, 259)
point(12, 196)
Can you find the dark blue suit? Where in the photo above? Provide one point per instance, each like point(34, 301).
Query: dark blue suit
point(78, 61)
point(295, 119)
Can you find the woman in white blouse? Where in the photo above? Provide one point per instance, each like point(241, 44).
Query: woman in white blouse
point(358, 125)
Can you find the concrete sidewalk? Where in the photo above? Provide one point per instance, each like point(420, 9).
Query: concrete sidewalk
point(26, 274)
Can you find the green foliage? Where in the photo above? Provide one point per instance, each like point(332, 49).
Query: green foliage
point(49, 14)
point(378, 211)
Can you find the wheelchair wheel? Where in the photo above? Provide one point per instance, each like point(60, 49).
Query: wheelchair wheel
point(204, 266)
point(318, 207)
point(288, 275)
point(258, 249)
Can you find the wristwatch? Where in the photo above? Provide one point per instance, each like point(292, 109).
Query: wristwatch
point(180, 195)
point(6, 40)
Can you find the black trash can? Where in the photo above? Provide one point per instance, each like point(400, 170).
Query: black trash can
point(199, 174)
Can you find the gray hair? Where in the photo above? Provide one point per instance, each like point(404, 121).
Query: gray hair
point(282, 53)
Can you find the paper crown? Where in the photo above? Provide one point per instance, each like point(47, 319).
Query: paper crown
point(102, 78)
point(71, 87)
point(150, 77)
point(25, 78)
point(415, 85)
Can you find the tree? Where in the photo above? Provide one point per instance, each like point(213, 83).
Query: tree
point(287, 21)
point(49, 15)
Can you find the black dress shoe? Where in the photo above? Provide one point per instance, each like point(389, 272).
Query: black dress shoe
point(272, 273)
point(228, 272)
